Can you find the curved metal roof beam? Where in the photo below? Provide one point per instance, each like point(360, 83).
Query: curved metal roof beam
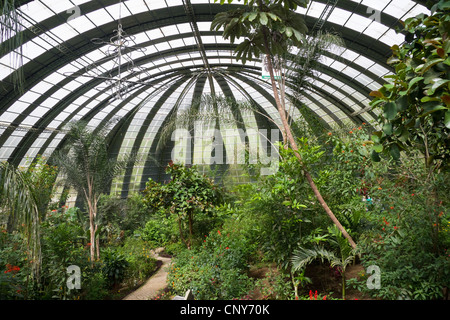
point(90, 3)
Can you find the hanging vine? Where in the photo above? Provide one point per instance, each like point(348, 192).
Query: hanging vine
point(11, 40)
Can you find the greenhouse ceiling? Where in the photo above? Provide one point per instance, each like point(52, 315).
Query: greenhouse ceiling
point(71, 70)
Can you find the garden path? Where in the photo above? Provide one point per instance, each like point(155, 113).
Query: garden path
point(155, 283)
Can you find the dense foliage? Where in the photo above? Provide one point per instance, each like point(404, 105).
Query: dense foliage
point(415, 103)
point(268, 239)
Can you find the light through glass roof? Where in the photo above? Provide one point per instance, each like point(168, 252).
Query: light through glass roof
point(65, 70)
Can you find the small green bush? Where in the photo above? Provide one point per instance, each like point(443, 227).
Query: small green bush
point(114, 266)
point(217, 269)
point(140, 262)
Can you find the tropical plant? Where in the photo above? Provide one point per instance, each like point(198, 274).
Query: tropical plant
point(89, 169)
point(187, 193)
point(26, 194)
point(114, 266)
point(64, 243)
point(268, 28)
point(415, 102)
point(341, 258)
point(141, 262)
point(216, 269)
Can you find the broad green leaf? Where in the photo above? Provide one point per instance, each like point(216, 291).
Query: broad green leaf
point(377, 148)
point(394, 151)
point(393, 60)
point(375, 138)
point(437, 84)
point(375, 156)
point(413, 82)
point(390, 110)
point(298, 35)
point(288, 32)
point(263, 18)
point(447, 119)
point(252, 16)
point(272, 16)
point(431, 107)
point(404, 137)
point(402, 103)
point(430, 64)
point(387, 129)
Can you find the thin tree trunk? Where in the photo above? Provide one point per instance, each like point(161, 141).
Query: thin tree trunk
point(92, 227)
point(190, 227)
point(92, 235)
point(181, 233)
point(293, 144)
point(97, 238)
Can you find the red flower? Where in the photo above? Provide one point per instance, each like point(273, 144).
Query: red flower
point(218, 231)
point(11, 268)
point(311, 295)
point(227, 248)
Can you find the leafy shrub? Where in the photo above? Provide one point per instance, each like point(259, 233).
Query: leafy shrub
point(217, 269)
point(114, 266)
point(157, 230)
point(140, 262)
point(123, 215)
point(411, 239)
point(187, 195)
point(275, 286)
point(64, 243)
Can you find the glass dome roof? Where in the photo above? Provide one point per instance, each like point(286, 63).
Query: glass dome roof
point(171, 58)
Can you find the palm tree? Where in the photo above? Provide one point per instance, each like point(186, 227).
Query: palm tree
point(22, 203)
point(342, 257)
point(89, 169)
point(269, 27)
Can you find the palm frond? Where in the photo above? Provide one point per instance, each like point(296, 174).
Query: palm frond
point(303, 256)
point(18, 196)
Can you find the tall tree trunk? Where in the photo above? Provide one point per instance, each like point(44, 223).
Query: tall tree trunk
point(92, 233)
point(293, 144)
point(97, 238)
